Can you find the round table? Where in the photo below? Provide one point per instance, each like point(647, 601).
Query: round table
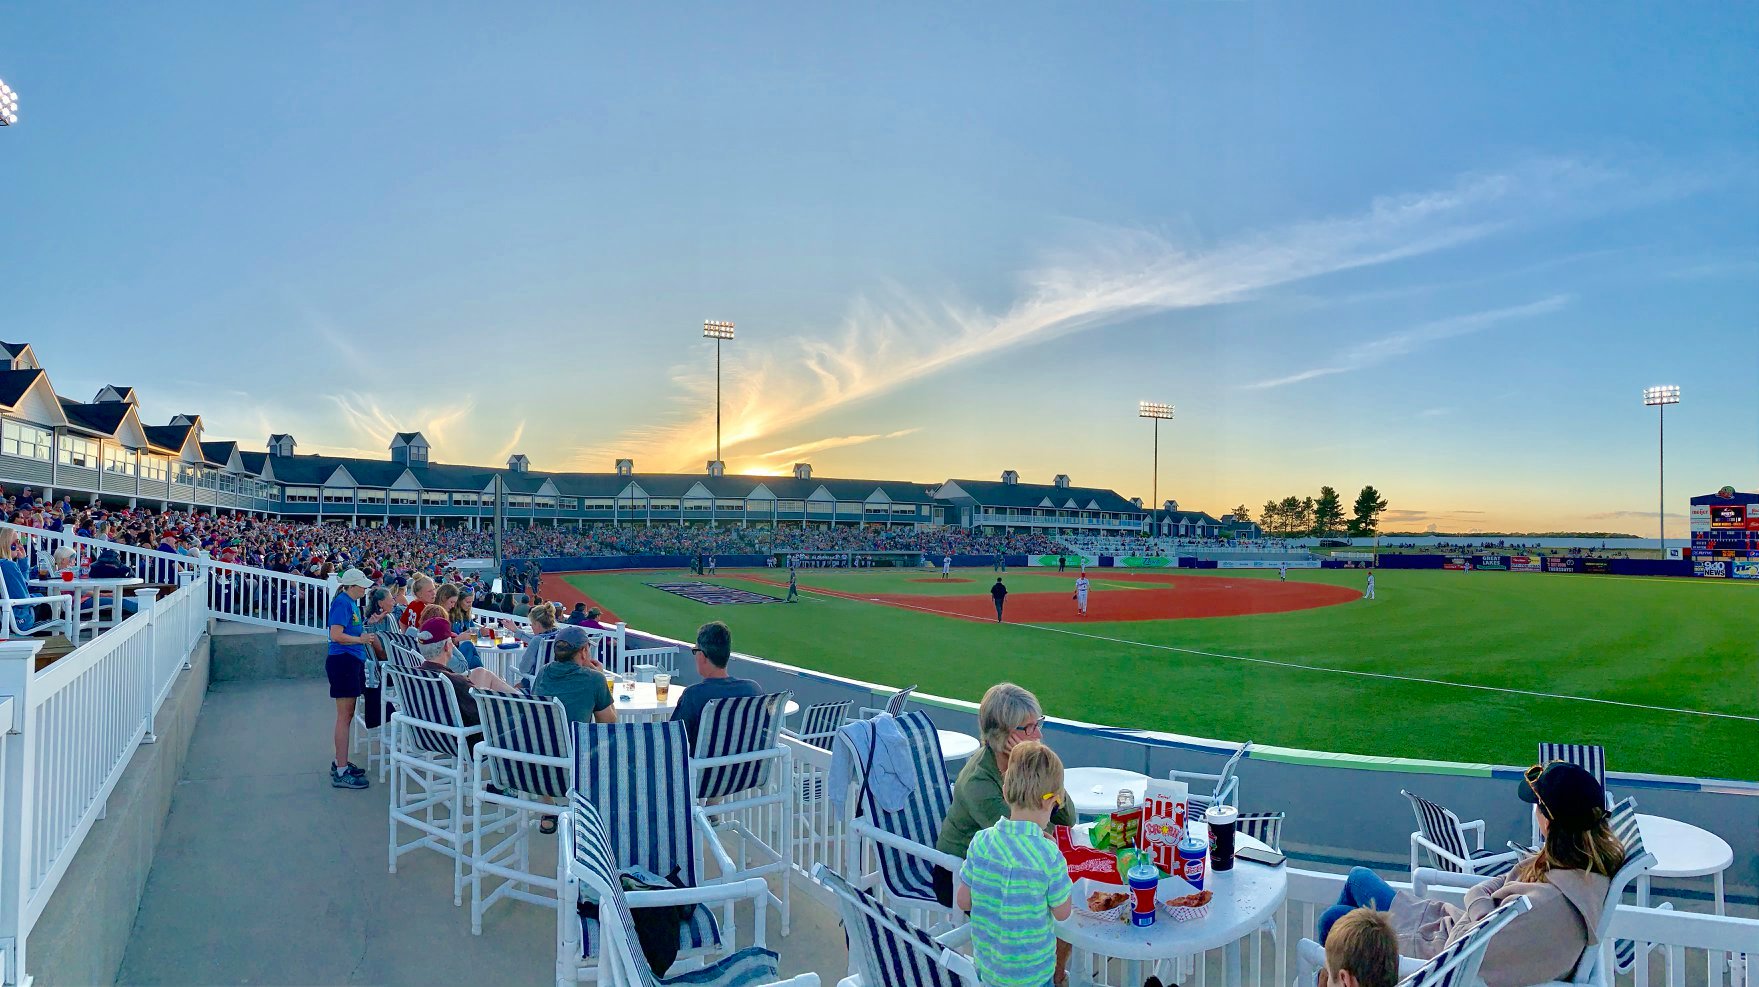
point(1683, 850)
point(956, 746)
point(640, 699)
point(97, 588)
point(1246, 897)
point(1094, 791)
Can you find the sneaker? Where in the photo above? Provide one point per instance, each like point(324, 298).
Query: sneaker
point(343, 778)
point(353, 769)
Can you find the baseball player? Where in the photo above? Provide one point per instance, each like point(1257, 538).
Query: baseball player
point(1282, 572)
point(946, 566)
point(711, 565)
point(1081, 594)
point(1369, 593)
point(793, 587)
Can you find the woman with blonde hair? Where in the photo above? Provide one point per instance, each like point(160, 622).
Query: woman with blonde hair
point(1566, 881)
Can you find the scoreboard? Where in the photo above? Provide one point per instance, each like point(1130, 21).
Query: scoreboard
point(1725, 535)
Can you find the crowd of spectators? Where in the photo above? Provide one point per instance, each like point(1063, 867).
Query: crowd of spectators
point(322, 550)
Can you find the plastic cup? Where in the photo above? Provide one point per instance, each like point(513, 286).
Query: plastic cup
point(662, 687)
point(67, 575)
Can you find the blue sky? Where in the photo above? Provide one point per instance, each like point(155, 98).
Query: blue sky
point(1438, 248)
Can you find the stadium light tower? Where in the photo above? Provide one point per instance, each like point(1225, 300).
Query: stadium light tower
point(1659, 398)
point(8, 105)
point(1159, 411)
point(717, 331)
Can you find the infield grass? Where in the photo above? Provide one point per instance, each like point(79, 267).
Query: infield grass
point(1686, 645)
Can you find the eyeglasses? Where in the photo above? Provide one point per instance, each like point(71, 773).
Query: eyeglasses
point(1037, 724)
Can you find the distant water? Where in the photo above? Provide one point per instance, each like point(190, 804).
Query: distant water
point(1429, 541)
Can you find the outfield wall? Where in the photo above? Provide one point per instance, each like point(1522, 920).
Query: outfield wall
point(1542, 563)
point(1343, 809)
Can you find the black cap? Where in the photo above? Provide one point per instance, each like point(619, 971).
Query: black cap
point(1568, 795)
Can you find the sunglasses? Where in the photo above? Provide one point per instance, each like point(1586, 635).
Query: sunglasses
point(1532, 776)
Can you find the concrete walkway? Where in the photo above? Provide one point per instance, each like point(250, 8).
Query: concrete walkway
point(267, 875)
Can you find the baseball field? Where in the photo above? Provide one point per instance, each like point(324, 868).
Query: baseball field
point(1455, 666)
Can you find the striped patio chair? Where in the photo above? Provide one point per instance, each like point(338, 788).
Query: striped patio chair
point(538, 653)
point(741, 773)
point(1226, 790)
point(523, 766)
point(621, 960)
point(1455, 966)
point(430, 770)
point(819, 723)
point(1448, 840)
point(904, 839)
point(1265, 827)
point(894, 706)
point(1589, 757)
point(637, 777)
point(887, 950)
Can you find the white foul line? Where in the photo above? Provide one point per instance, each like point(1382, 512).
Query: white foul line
point(1349, 671)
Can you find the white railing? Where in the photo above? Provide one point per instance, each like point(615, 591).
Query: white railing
point(72, 730)
point(235, 592)
point(612, 650)
point(821, 835)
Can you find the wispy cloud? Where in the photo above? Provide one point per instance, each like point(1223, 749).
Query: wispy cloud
point(512, 445)
point(1399, 344)
point(772, 462)
point(1109, 276)
point(369, 425)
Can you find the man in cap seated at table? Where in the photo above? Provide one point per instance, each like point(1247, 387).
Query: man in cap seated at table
point(713, 650)
point(437, 650)
point(576, 678)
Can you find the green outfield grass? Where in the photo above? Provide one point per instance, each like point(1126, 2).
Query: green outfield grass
point(1676, 643)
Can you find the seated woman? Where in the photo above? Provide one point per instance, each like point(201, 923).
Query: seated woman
point(543, 624)
point(1566, 881)
point(24, 617)
point(1007, 717)
point(450, 599)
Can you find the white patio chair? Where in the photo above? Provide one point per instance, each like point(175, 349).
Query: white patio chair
point(887, 950)
point(1591, 969)
point(904, 840)
point(1446, 838)
point(63, 615)
point(1455, 966)
point(527, 754)
point(430, 770)
point(894, 704)
point(594, 870)
point(637, 777)
point(820, 722)
point(742, 773)
point(1226, 790)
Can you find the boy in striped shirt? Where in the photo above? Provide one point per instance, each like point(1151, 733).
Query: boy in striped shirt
point(1015, 883)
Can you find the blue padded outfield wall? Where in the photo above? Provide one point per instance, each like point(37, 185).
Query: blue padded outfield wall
point(1541, 563)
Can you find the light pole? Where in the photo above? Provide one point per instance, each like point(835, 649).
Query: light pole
point(1159, 411)
point(1659, 398)
point(717, 331)
point(8, 105)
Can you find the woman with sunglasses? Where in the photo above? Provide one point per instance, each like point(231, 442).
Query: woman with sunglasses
point(1008, 717)
point(1566, 881)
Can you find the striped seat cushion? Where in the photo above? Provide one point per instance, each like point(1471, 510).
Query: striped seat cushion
point(898, 953)
point(731, 727)
point(919, 821)
point(528, 726)
point(750, 966)
point(1494, 868)
point(637, 776)
point(698, 934)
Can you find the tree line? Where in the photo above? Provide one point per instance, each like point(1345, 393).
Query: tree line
point(1319, 517)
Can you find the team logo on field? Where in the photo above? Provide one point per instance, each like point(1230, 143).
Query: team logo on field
point(713, 595)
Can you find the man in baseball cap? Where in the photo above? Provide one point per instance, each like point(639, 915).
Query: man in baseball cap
point(576, 678)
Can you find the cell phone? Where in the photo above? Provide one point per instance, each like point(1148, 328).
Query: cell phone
point(1269, 858)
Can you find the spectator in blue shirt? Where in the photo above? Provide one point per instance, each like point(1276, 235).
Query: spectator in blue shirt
point(23, 617)
point(714, 649)
point(345, 666)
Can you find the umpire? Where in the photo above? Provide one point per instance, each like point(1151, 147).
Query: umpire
point(998, 593)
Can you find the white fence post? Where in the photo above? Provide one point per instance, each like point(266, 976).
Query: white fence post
point(18, 667)
point(148, 599)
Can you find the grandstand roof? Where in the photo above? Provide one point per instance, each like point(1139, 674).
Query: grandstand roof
point(169, 438)
point(219, 453)
point(995, 493)
point(253, 461)
point(1192, 517)
point(15, 391)
point(14, 349)
point(97, 419)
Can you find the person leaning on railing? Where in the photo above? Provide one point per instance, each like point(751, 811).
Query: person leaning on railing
point(1007, 717)
point(1566, 881)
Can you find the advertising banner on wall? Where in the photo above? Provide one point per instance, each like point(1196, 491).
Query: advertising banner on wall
point(1495, 563)
point(1744, 569)
point(1559, 563)
point(1595, 565)
point(1712, 568)
point(1525, 563)
point(1262, 564)
point(1455, 562)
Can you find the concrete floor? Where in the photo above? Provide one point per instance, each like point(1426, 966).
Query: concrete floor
point(267, 875)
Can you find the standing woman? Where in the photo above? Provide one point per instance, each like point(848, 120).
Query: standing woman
point(345, 667)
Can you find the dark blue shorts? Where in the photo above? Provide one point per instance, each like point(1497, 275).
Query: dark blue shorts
point(347, 675)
